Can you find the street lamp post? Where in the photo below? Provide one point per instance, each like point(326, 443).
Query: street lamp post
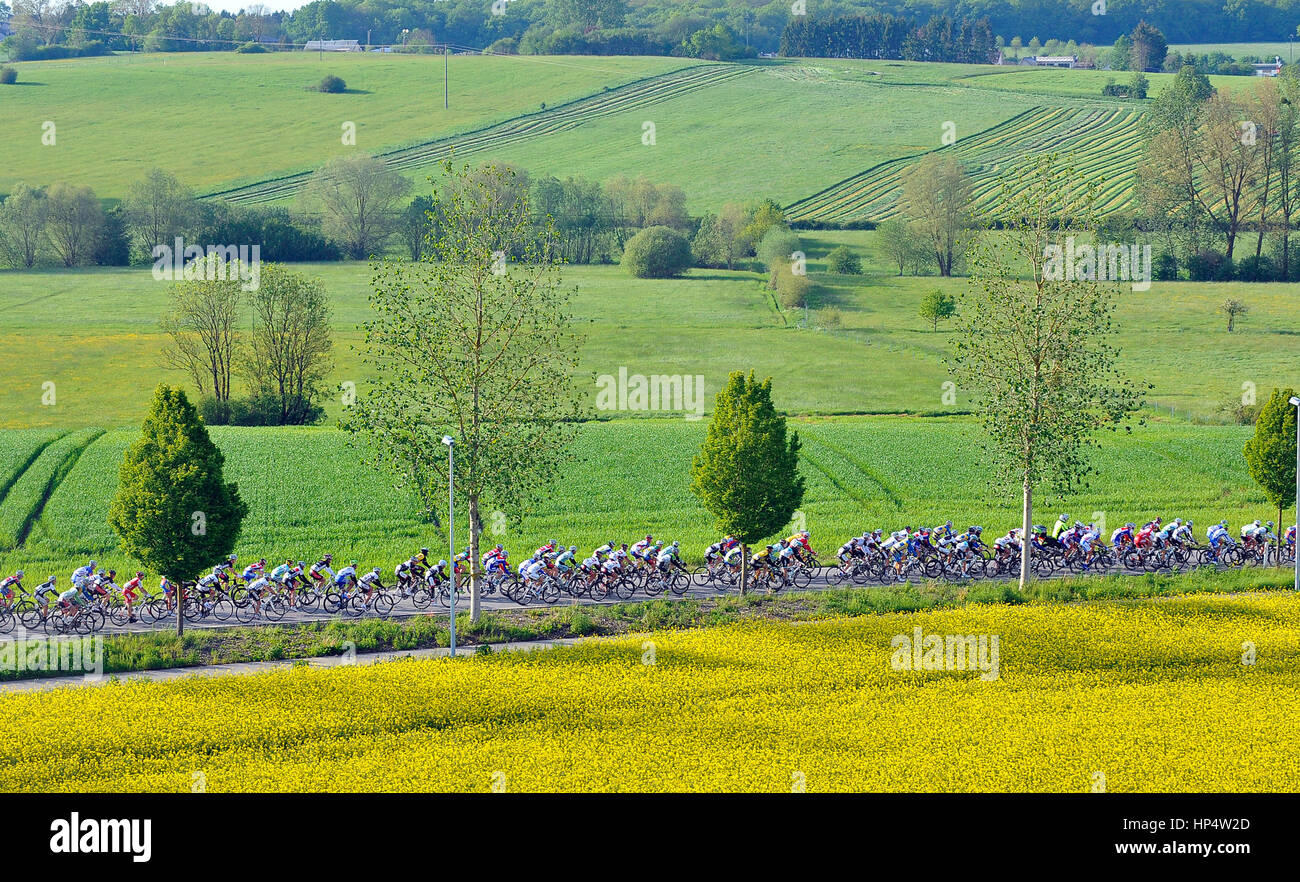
point(1295, 402)
point(451, 532)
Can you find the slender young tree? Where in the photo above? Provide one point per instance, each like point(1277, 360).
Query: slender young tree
point(1034, 342)
point(1270, 452)
point(290, 341)
point(174, 511)
point(203, 324)
point(468, 343)
point(747, 471)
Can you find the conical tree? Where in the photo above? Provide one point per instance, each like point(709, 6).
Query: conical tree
point(1270, 453)
point(173, 510)
point(747, 471)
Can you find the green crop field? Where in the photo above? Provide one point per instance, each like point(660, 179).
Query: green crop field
point(249, 117)
point(94, 335)
point(309, 492)
point(1105, 138)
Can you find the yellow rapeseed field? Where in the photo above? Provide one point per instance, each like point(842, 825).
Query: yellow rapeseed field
point(1125, 696)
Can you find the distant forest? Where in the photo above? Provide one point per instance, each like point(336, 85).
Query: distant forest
point(720, 29)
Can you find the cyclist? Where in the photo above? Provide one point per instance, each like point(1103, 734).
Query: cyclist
point(169, 592)
point(802, 546)
point(566, 560)
point(404, 576)
point(344, 579)
point(321, 570)
point(1218, 535)
point(848, 551)
point(44, 592)
point(1062, 523)
point(1183, 535)
point(603, 552)
point(532, 571)
point(71, 600)
point(638, 548)
point(7, 586)
point(128, 595)
point(787, 556)
point(1123, 537)
point(253, 572)
point(1086, 542)
point(669, 556)
point(369, 581)
point(223, 569)
point(255, 589)
point(82, 573)
point(731, 560)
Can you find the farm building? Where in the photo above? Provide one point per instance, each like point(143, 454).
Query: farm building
point(1269, 68)
point(1056, 60)
point(332, 46)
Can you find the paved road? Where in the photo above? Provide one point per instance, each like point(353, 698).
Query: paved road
point(406, 610)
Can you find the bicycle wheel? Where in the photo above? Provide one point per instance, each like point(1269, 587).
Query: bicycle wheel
point(801, 577)
point(32, 618)
point(274, 608)
point(384, 604)
point(837, 576)
point(117, 615)
point(624, 588)
point(245, 613)
point(7, 620)
point(681, 583)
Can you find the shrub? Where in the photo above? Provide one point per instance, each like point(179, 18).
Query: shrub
point(657, 253)
point(8, 76)
point(251, 47)
point(791, 290)
point(845, 262)
point(830, 318)
point(332, 85)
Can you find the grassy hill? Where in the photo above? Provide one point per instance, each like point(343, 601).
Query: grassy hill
point(94, 334)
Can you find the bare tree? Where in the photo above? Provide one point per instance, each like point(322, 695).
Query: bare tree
point(75, 218)
point(291, 341)
point(203, 324)
point(22, 225)
point(359, 199)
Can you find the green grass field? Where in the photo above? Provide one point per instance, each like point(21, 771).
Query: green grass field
point(94, 335)
point(247, 117)
point(308, 491)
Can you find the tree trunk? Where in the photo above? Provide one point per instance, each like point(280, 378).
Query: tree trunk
point(180, 611)
point(1026, 546)
point(472, 563)
point(744, 567)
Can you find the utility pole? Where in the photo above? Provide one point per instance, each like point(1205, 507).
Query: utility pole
point(446, 76)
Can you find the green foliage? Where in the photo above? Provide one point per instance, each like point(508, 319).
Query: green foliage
point(173, 510)
point(845, 261)
point(792, 289)
point(937, 306)
point(747, 472)
point(657, 253)
point(1270, 453)
point(332, 85)
point(8, 75)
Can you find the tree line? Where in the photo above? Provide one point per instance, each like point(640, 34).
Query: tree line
point(942, 38)
point(1217, 184)
point(45, 29)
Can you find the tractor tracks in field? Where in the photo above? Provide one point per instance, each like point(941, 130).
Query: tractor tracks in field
point(46, 476)
point(552, 120)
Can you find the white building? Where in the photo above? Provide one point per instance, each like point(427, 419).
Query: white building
point(332, 46)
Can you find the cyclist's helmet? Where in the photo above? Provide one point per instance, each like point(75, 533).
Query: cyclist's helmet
point(329, 555)
point(1065, 519)
point(353, 564)
point(301, 565)
point(1257, 522)
point(442, 563)
point(375, 571)
point(233, 558)
point(92, 564)
point(1269, 525)
point(625, 546)
point(676, 543)
point(139, 575)
point(112, 573)
point(262, 562)
point(19, 574)
point(498, 548)
point(426, 551)
point(1190, 524)
point(553, 542)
